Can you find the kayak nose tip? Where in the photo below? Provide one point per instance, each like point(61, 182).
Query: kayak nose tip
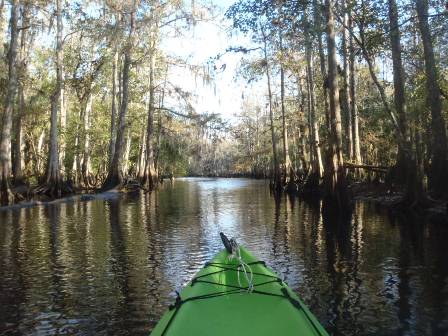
point(226, 242)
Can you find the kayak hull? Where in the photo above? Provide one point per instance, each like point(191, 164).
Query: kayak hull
point(218, 301)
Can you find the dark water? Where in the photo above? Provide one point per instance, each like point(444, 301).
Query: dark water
point(110, 267)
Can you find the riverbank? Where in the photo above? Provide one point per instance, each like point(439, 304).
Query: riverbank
point(377, 193)
point(383, 196)
point(81, 197)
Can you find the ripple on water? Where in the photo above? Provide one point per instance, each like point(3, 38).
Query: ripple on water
point(110, 267)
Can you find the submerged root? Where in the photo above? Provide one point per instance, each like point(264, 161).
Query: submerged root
point(7, 197)
point(418, 204)
point(311, 186)
point(53, 190)
point(134, 185)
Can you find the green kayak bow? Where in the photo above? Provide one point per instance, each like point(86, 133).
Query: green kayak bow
point(236, 294)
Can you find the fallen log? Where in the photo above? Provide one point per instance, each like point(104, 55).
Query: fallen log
point(378, 169)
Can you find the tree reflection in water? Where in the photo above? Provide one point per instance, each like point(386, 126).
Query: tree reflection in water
point(112, 266)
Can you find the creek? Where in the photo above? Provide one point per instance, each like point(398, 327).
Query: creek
point(110, 267)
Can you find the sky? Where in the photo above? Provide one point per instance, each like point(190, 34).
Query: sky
point(207, 40)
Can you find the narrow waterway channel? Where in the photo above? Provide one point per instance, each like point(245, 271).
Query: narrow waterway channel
point(110, 267)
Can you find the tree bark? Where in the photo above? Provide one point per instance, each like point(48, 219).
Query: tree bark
point(142, 155)
point(362, 44)
point(40, 148)
point(159, 122)
point(438, 172)
point(398, 72)
point(115, 98)
point(288, 171)
point(345, 90)
point(76, 168)
point(335, 180)
point(150, 176)
point(6, 197)
point(127, 151)
point(2, 32)
point(361, 41)
point(406, 168)
point(115, 172)
point(276, 168)
point(53, 175)
point(18, 145)
point(313, 180)
point(302, 131)
point(62, 119)
point(86, 170)
point(353, 94)
point(323, 69)
point(403, 165)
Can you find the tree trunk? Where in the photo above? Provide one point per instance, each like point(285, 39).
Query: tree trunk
point(362, 44)
point(53, 178)
point(353, 95)
point(76, 168)
point(18, 145)
point(86, 170)
point(288, 171)
point(438, 178)
point(302, 131)
point(150, 176)
point(315, 177)
point(406, 167)
point(127, 151)
point(277, 186)
point(399, 80)
point(40, 148)
point(345, 90)
point(288, 176)
point(403, 165)
point(62, 119)
point(395, 122)
point(371, 67)
point(113, 119)
point(335, 180)
point(2, 32)
point(141, 155)
point(6, 197)
point(115, 171)
point(159, 123)
point(319, 29)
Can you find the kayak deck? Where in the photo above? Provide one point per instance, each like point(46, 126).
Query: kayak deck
point(217, 302)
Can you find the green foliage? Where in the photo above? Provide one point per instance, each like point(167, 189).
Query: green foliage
point(186, 142)
point(173, 156)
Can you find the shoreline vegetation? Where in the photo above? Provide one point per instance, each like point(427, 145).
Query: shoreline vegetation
point(342, 100)
point(373, 192)
point(28, 203)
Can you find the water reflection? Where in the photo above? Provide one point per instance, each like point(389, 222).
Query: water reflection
point(111, 267)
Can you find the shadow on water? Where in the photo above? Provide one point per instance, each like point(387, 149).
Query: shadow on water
point(342, 253)
point(111, 267)
point(280, 237)
point(120, 263)
point(414, 278)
